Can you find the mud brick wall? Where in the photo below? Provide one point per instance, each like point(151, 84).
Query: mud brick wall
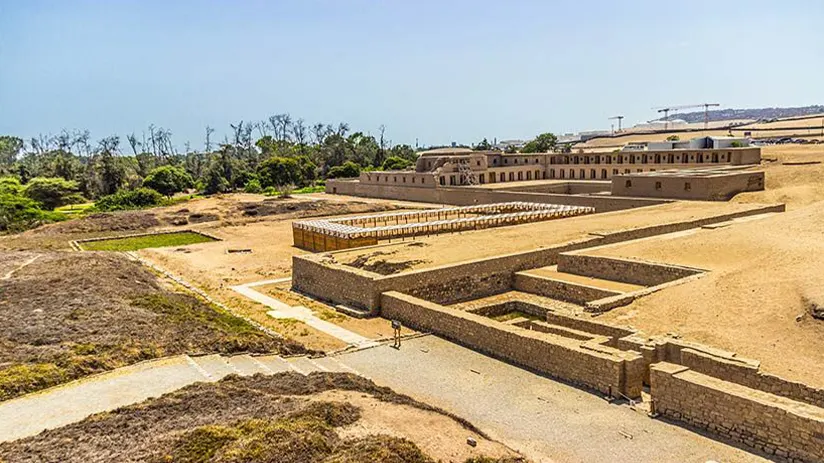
point(331, 283)
point(503, 308)
point(565, 291)
point(750, 376)
point(588, 325)
point(769, 423)
point(625, 270)
point(553, 355)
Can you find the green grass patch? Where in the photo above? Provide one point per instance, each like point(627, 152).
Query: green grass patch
point(148, 241)
point(73, 210)
point(309, 189)
point(513, 315)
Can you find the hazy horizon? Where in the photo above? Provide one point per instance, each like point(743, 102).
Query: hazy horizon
point(433, 71)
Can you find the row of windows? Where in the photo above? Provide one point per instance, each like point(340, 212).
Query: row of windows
point(592, 174)
point(514, 161)
point(657, 158)
point(395, 178)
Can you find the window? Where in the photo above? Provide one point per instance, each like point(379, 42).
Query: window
point(592, 173)
point(687, 186)
point(404, 179)
point(413, 179)
point(583, 173)
point(511, 177)
point(451, 179)
point(562, 173)
point(478, 162)
point(506, 161)
point(495, 162)
point(628, 184)
point(529, 175)
point(516, 160)
point(614, 171)
point(551, 173)
point(520, 175)
point(443, 182)
point(503, 177)
point(395, 179)
point(423, 180)
point(657, 185)
point(536, 160)
point(603, 174)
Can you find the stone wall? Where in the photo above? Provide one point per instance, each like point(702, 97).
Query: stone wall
point(467, 196)
point(772, 424)
point(571, 292)
point(748, 374)
point(624, 270)
point(335, 284)
point(603, 369)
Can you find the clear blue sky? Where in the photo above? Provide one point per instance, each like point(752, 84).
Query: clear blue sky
point(436, 70)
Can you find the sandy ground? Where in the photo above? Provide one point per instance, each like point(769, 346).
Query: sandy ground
point(760, 272)
point(796, 186)
point(211, 267)
point(458, 247)
point(439, 436)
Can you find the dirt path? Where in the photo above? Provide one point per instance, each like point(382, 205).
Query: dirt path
point(10, 273)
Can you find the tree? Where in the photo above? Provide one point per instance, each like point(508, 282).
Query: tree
point(395, 163)
point(168, 180)
point(214, 181)
point(10, 185)
point(348, 170)
point(541, 144)
point(484, 145)
point(673, 138)
point(124, 200)
point(10, 148)
point(52, 192)
point(279, 171)
point(510, 149)
point(403, 152)
point(18, 213)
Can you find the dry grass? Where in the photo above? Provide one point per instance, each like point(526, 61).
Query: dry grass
point(68, 315)
point(252, 419)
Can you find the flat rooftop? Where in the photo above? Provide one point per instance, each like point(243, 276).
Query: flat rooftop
point(428, 252)
point(698, 172)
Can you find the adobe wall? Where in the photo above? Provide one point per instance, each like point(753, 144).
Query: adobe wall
point(750, 376)
point(471, 279)
point(709, 188)
point(565, 291)
point(546, 353)
point(466, 196)
point(772, 424)
point(624, 270)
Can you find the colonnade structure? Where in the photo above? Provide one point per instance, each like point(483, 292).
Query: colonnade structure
point(350, 232)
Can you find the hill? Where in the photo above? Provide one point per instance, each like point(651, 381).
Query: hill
point(752, 113)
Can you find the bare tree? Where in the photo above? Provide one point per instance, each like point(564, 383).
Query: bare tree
point(208, 145)
point(319, 131)
point(342, 129)
point(285, 124)
point(153, 139)
point(64, 140)
point(133, 142)
point(299, 132)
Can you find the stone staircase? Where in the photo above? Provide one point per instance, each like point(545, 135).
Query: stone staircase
point(72, 402)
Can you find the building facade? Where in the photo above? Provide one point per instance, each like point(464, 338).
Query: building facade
point(462, 166)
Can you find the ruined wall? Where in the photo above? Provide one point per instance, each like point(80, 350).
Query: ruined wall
point(565, 291)
point(772, 424)
point(554, 355)
point(335, 284)
point(467, 196)
point(750, 376)
point(624, 270)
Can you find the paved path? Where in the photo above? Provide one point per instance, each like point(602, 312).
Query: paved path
point(282, 310)
point(74, 401)
point(544, 419)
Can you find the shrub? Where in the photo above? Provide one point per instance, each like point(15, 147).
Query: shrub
point(135, 199)
point(52, 192)
point(673, 138)
point(10, 185)
point(736, 144)
point(395, 163)
point(168, 180)
point(348, 170)
point(19, 213)
point(253, 186)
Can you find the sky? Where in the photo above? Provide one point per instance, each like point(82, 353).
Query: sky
point(431, 71)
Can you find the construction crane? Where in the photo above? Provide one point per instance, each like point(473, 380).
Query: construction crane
point(706, 107)
point(619, 121)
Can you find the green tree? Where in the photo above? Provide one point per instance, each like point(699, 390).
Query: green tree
point(403, 152)
point(510, 149)
point(541, 144)
point(348, 170)
point(214, 181)
point(124, 200)
point(10, 185)
point(18, 213)
point(168, 180)
point(673, 138)
point(279, 171)
point(10, 148)
point(395, 163)
point(484, 145)
point(52, 192)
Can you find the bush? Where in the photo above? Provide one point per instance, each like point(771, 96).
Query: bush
point(168, 180)
point(19, 213)
point(10, 185)
point(395, 163)
point(673, 138)
point(348, 170)
point(52, 192)
point(253, 186)
point(136, 199)
point(736, 144)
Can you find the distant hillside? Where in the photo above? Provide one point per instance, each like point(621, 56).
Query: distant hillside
point(755, 113)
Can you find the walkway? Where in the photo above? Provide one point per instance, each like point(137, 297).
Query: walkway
point(74, 401)
point(544, 419)
point(282, 310)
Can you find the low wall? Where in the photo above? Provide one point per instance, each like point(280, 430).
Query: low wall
point(750, 376)
point(553, 355)
point(772, 424)
point(556, 289)
point(331, 283)
point(466, 196)
point(624, 270)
